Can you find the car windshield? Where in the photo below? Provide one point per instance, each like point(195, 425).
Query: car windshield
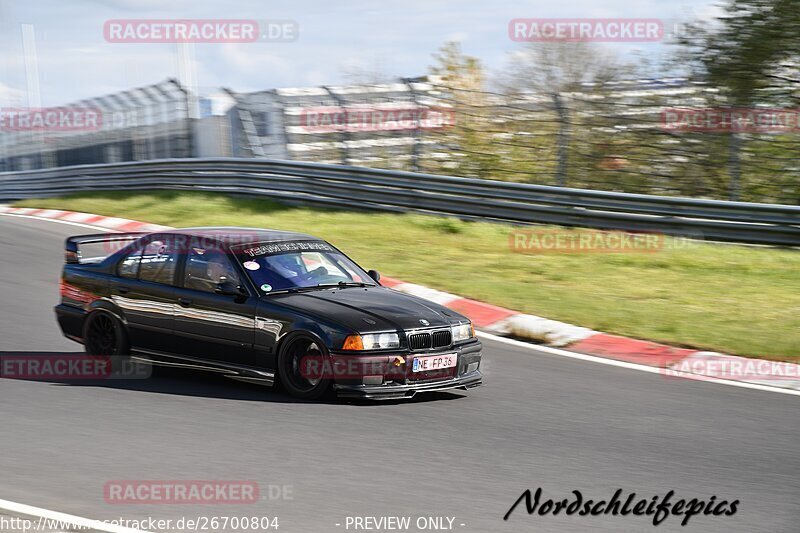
point(303, 270)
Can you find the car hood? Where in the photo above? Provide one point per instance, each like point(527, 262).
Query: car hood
point(366, 309)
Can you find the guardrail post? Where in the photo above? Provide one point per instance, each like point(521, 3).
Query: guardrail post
point(734, 165)
point(415, 146)
point(563, 140)
point(345, 135)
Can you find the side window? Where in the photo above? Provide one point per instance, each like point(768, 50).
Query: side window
point(129, 266)
point(205, 269)
point(158, 263)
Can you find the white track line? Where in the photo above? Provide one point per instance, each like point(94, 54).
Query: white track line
point(67, 521)
point(634, 366)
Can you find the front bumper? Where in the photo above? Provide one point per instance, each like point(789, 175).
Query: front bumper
point(466, 375)
point(395, 391)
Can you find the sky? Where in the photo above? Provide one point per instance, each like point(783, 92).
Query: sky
point(335, 40)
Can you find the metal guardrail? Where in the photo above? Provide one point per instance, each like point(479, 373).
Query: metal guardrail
point(466, 198)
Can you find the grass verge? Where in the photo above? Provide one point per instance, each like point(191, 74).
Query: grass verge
point(734, 299)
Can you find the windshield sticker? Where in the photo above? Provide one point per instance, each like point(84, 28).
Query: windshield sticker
point(266, 287)
point(251, 265)
point(292, 246)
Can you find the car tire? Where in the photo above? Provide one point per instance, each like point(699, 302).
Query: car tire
point(104, 335)
point(292, 351)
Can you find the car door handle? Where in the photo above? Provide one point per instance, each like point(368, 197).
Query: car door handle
point(123, 290)
point(185, 302)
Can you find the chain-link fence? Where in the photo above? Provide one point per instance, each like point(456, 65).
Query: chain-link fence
point(631, 136)
point(671, 137)
point(621, 136)
point(149, 122)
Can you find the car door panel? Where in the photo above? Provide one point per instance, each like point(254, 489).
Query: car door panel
point(147, 305)
point(149, 312)
point(209, 325)
point(214, 327)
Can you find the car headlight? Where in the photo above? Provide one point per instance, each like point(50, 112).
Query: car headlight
point(463, 332)
point(372, 341)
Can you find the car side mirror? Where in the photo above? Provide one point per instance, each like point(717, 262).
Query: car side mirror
point(374, 274)
point(228, 288)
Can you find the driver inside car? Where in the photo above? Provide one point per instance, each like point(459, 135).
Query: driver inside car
point(218, 272)
point(291, 267)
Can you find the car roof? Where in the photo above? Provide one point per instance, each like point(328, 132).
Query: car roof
point(241, 235)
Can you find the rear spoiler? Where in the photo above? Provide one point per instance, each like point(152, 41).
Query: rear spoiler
point(72, 253)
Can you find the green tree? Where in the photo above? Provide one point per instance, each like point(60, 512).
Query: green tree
point(467, 144)
point(752, 53)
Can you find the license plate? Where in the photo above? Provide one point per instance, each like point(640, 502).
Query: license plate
point(434, 362)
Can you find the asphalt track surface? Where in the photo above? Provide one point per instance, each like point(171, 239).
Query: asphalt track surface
point(540, 420)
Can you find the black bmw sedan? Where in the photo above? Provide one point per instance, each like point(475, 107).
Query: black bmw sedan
point(262, 306)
